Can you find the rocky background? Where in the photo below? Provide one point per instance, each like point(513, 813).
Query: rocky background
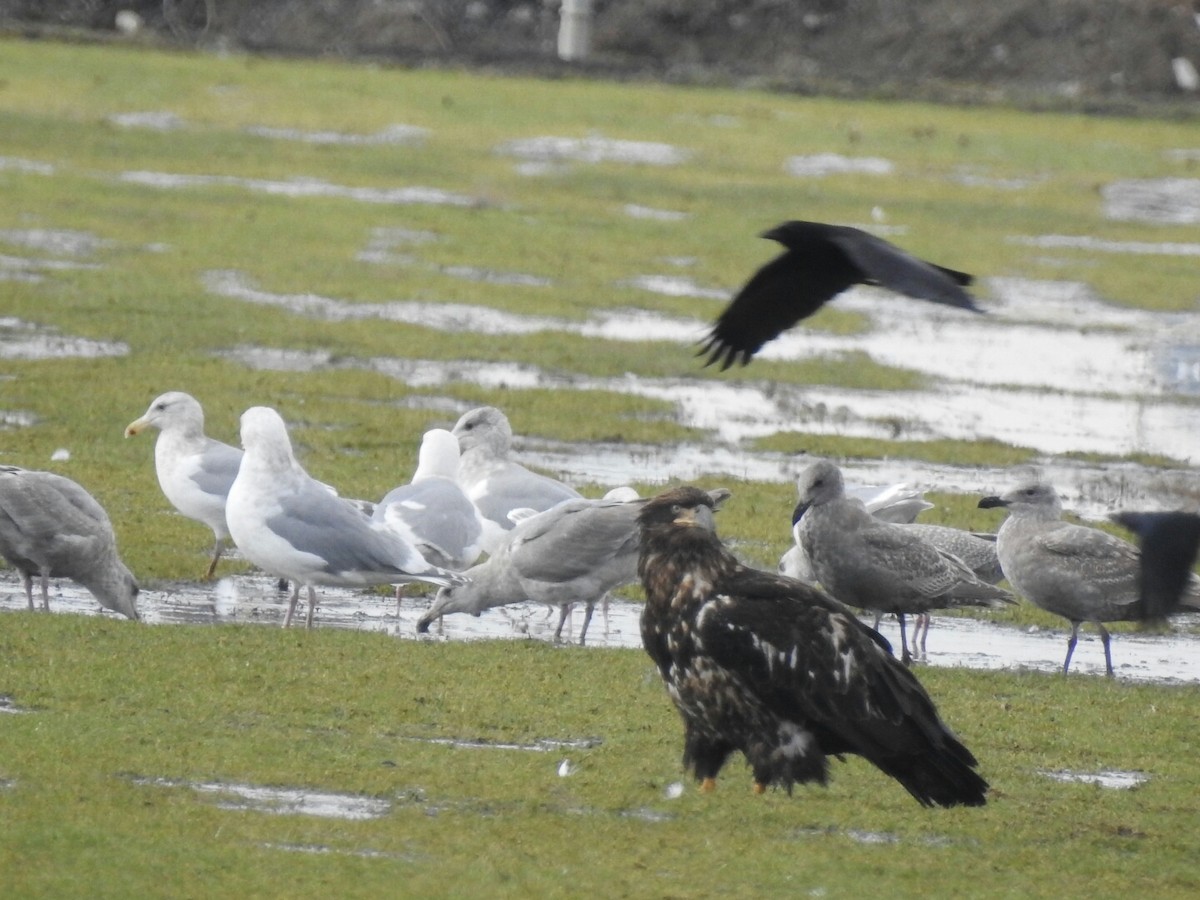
point(1117, 55)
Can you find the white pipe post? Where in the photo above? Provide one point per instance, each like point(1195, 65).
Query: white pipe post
point(575, 30)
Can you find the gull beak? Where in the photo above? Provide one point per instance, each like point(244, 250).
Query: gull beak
point(137, 426)
point(992, 502)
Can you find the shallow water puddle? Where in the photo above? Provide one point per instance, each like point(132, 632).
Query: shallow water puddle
point(821, 164)
point(1015, 375)
point(28, 166)
point(593, 150)
point(56, 241)
point(675, 286)
point(163, 120)
point(646, 814)
point(392, 134)
point(637, 211)
point(384, 242)
point(1172, 658)
point(322, 849)
point(160, 120)
point(1174, 201)
point(541, 745)
point(735, 411)
point(24, 268)
point(1099, 245)
point(15, 418)
point(975, 644)
point(25, 340)
point(972, 178)
point(454, 317)
point(863, 836)
point(304, 187)
point(1113, 779)
point(1091, 490)
point(8, 705)
point(491, 276)
point(281, 801)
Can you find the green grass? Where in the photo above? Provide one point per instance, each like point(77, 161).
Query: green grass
point(110, 702)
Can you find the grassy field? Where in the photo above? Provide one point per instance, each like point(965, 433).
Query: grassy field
point(99, 774)
point(112, 706)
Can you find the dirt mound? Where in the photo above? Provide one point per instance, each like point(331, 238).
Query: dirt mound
point(1104, 53)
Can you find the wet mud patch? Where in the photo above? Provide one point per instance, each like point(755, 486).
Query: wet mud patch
point(300, 187)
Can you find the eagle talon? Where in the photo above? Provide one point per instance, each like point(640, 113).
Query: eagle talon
point(708, 785)
point(759, 787)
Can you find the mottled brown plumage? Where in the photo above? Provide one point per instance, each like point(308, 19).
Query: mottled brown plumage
point(773, 667)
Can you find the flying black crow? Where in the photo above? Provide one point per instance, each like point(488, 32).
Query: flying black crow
point(818, 262)
point(1169, 541)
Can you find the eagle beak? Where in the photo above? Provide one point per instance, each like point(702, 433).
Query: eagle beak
point(992, 502)
point(698, 516)
point(137, 426)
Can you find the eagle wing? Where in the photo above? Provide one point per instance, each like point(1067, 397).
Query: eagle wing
point(810, 660)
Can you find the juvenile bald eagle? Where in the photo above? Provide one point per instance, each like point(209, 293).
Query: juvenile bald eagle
point(818, 262)
point(773, 667)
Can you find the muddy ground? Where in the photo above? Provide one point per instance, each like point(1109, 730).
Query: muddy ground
point(1110, 55)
